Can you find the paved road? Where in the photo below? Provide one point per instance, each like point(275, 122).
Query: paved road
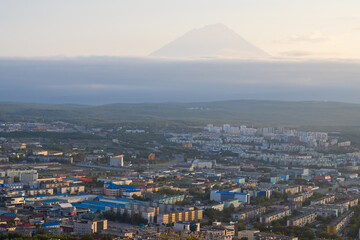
point(326, 190)
point(102, 167)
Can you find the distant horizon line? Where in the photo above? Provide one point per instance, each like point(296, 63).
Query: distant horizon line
point(176, 102)
point(171, 59)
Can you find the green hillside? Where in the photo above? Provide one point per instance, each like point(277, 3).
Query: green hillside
point(242, 111)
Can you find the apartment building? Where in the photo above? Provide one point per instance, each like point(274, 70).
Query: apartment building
point(350, 203)
point(11, 201)
point(117, 161)
point(323, 200)
point(187, 216)
point(278, 207)
point(29, 178)
point(327, 210)
point(324, 211)
point(249, 213)
point(71, 190)
point(149, 188)
point(170, 199)
point(338, 224)
point(18, 172)
point(302, 220)
point(250, 184)
point(35, 192)
point(291, 190)
point(258, 193)
point(300, 198)
point(268, 218)
point(54, 184)
point(11, 186)
point(88, 226)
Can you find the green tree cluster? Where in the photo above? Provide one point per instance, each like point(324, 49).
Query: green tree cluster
point(303, 233)
point(125, 218)
point(216, 215)
point(43, 236)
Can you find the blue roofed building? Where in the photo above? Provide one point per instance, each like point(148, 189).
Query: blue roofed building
point(50, 224)
point(92, 208)
point(51, 227)
point(114, 190)
point(221, 196)
point(121, 206)
point(258, 193)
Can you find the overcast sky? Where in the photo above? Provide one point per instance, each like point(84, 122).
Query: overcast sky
point(283, 28)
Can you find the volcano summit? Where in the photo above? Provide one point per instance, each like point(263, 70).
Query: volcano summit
point(211, 41)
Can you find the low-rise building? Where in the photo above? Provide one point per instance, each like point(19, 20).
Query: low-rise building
point(291, 190)
point(323, 200)
point(115, 190)
point(248, 234)
point(90, 226)
point(350, 203)
point(300, 198)
point(71, 189)
point(11, 186)
point(187, 226)
point(192, 215)
point(268, 218)
point(278, 207)
point(121, 206)
point(302, 220)
point(338, 224)
point(54, 184)
point(327, 210)
point(35, 192)
point(249, 213)
point(220, 196)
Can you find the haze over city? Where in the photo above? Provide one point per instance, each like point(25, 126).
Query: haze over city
point(179, 119)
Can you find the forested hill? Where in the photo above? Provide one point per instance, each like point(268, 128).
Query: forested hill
point(244, 111)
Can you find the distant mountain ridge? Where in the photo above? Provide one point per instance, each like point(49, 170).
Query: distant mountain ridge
point(211, 41)
point(273, 113)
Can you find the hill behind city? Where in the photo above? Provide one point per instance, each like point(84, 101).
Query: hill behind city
point(275, 113)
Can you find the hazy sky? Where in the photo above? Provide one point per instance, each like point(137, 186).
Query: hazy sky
point(283, 28)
